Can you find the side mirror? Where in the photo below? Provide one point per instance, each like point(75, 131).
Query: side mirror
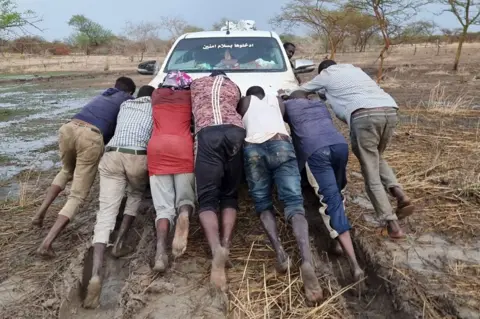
point(147, 67)
point(303, 66)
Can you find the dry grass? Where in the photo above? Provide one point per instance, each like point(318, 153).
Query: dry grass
point(436, 157)
point(441, 101)
point(258, 291)
point(18, 64)
point(34, 280)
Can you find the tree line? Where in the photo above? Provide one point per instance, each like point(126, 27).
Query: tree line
point(336, 22)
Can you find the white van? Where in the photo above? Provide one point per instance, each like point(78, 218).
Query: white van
point(248, 58)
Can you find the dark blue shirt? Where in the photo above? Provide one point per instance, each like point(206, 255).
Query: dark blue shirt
point(102, 111)
point(311, 126)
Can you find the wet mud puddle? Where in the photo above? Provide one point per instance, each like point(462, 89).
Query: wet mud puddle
point(30, 116)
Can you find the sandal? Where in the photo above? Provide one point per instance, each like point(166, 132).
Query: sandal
point(404, 210)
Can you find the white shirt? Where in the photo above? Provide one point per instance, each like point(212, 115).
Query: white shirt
point(263, 119)
point(134, 124)
point(348, 89)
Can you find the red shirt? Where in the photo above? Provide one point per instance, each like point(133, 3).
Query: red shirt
point(170, 150)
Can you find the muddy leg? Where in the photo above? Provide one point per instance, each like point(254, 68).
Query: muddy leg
point(218, 277)
point(346, 242)
point(118, 248)
point(180, 238)
point(270, 226)
point(92, 300)
point(52, 194)
point(161, 257)
point(45, 249)
point(336, 248)
point(313, 291)
point(229, 216)
point(404, 204)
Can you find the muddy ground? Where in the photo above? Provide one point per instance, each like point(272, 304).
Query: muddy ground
point(434, 274)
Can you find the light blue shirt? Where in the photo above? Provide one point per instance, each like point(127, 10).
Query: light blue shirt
point(348, 89)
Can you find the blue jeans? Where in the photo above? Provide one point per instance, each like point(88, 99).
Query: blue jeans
point(273, 161)
point(329, 167)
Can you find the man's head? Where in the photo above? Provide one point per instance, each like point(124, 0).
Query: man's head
point(218, 72)
point(257, 91)
point(325, 64)
point(125, 84)
point(145, 90)
point(289, 48)
point(299, 94)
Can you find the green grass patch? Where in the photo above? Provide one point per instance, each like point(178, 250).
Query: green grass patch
point(5, 159)
point(7, 114)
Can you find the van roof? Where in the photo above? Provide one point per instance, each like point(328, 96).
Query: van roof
point(223, 34)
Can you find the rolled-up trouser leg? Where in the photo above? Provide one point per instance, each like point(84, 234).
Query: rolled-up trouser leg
point(163, 195)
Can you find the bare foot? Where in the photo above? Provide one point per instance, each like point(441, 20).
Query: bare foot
point(92, 300)
point(313, 291)
point(37, 221)
point(283, 262)
point(179, 244)
point(218, 277)
point(119, 250)
point(46, 252)
point(161, 262)
point(336, 248)
point(405, 209)
point(395, 231)
point(358, 277)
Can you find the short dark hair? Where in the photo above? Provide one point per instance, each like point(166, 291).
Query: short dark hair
point(288, 44)
point(125, 84)
point(256, 90)
point(218, 72)
point(325, 64)
point(145, 90)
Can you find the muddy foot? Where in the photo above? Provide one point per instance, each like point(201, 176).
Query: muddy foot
point(282, 264)
point(37, 221)
point(218, 277)
point(120, 251)
point(335, 248)
point(219, 299)
point(313, 291)
point(92, 300)
point(404, 210)
point(179, 244)
point(47, 253)
point(161, 263)
point(359, 278)
point(395, 233)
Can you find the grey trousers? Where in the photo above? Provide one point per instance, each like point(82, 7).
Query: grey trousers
point(170, 192)
point(370, 134)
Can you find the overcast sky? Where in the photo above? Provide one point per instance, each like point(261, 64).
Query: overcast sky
point(114, 14)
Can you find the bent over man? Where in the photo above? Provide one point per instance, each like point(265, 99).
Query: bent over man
point(81, 143)
point(122, 169)
point(371, 115)
point(324, 148)
point(269, 159)
point(218, 164)
point(170, 164)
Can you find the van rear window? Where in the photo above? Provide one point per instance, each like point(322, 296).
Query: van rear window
point(232, 54)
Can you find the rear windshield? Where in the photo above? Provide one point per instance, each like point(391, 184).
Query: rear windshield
point(239, 54)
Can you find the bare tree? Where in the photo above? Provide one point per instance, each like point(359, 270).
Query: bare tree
point(390, 16)
point(142, 34)
point(467, 13)
point(335, 22)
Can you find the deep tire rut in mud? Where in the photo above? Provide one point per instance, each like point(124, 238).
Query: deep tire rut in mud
point(374, 303)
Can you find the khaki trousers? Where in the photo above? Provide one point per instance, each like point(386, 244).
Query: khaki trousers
point(370, 132)
point(119, 173)
point(80, 151)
